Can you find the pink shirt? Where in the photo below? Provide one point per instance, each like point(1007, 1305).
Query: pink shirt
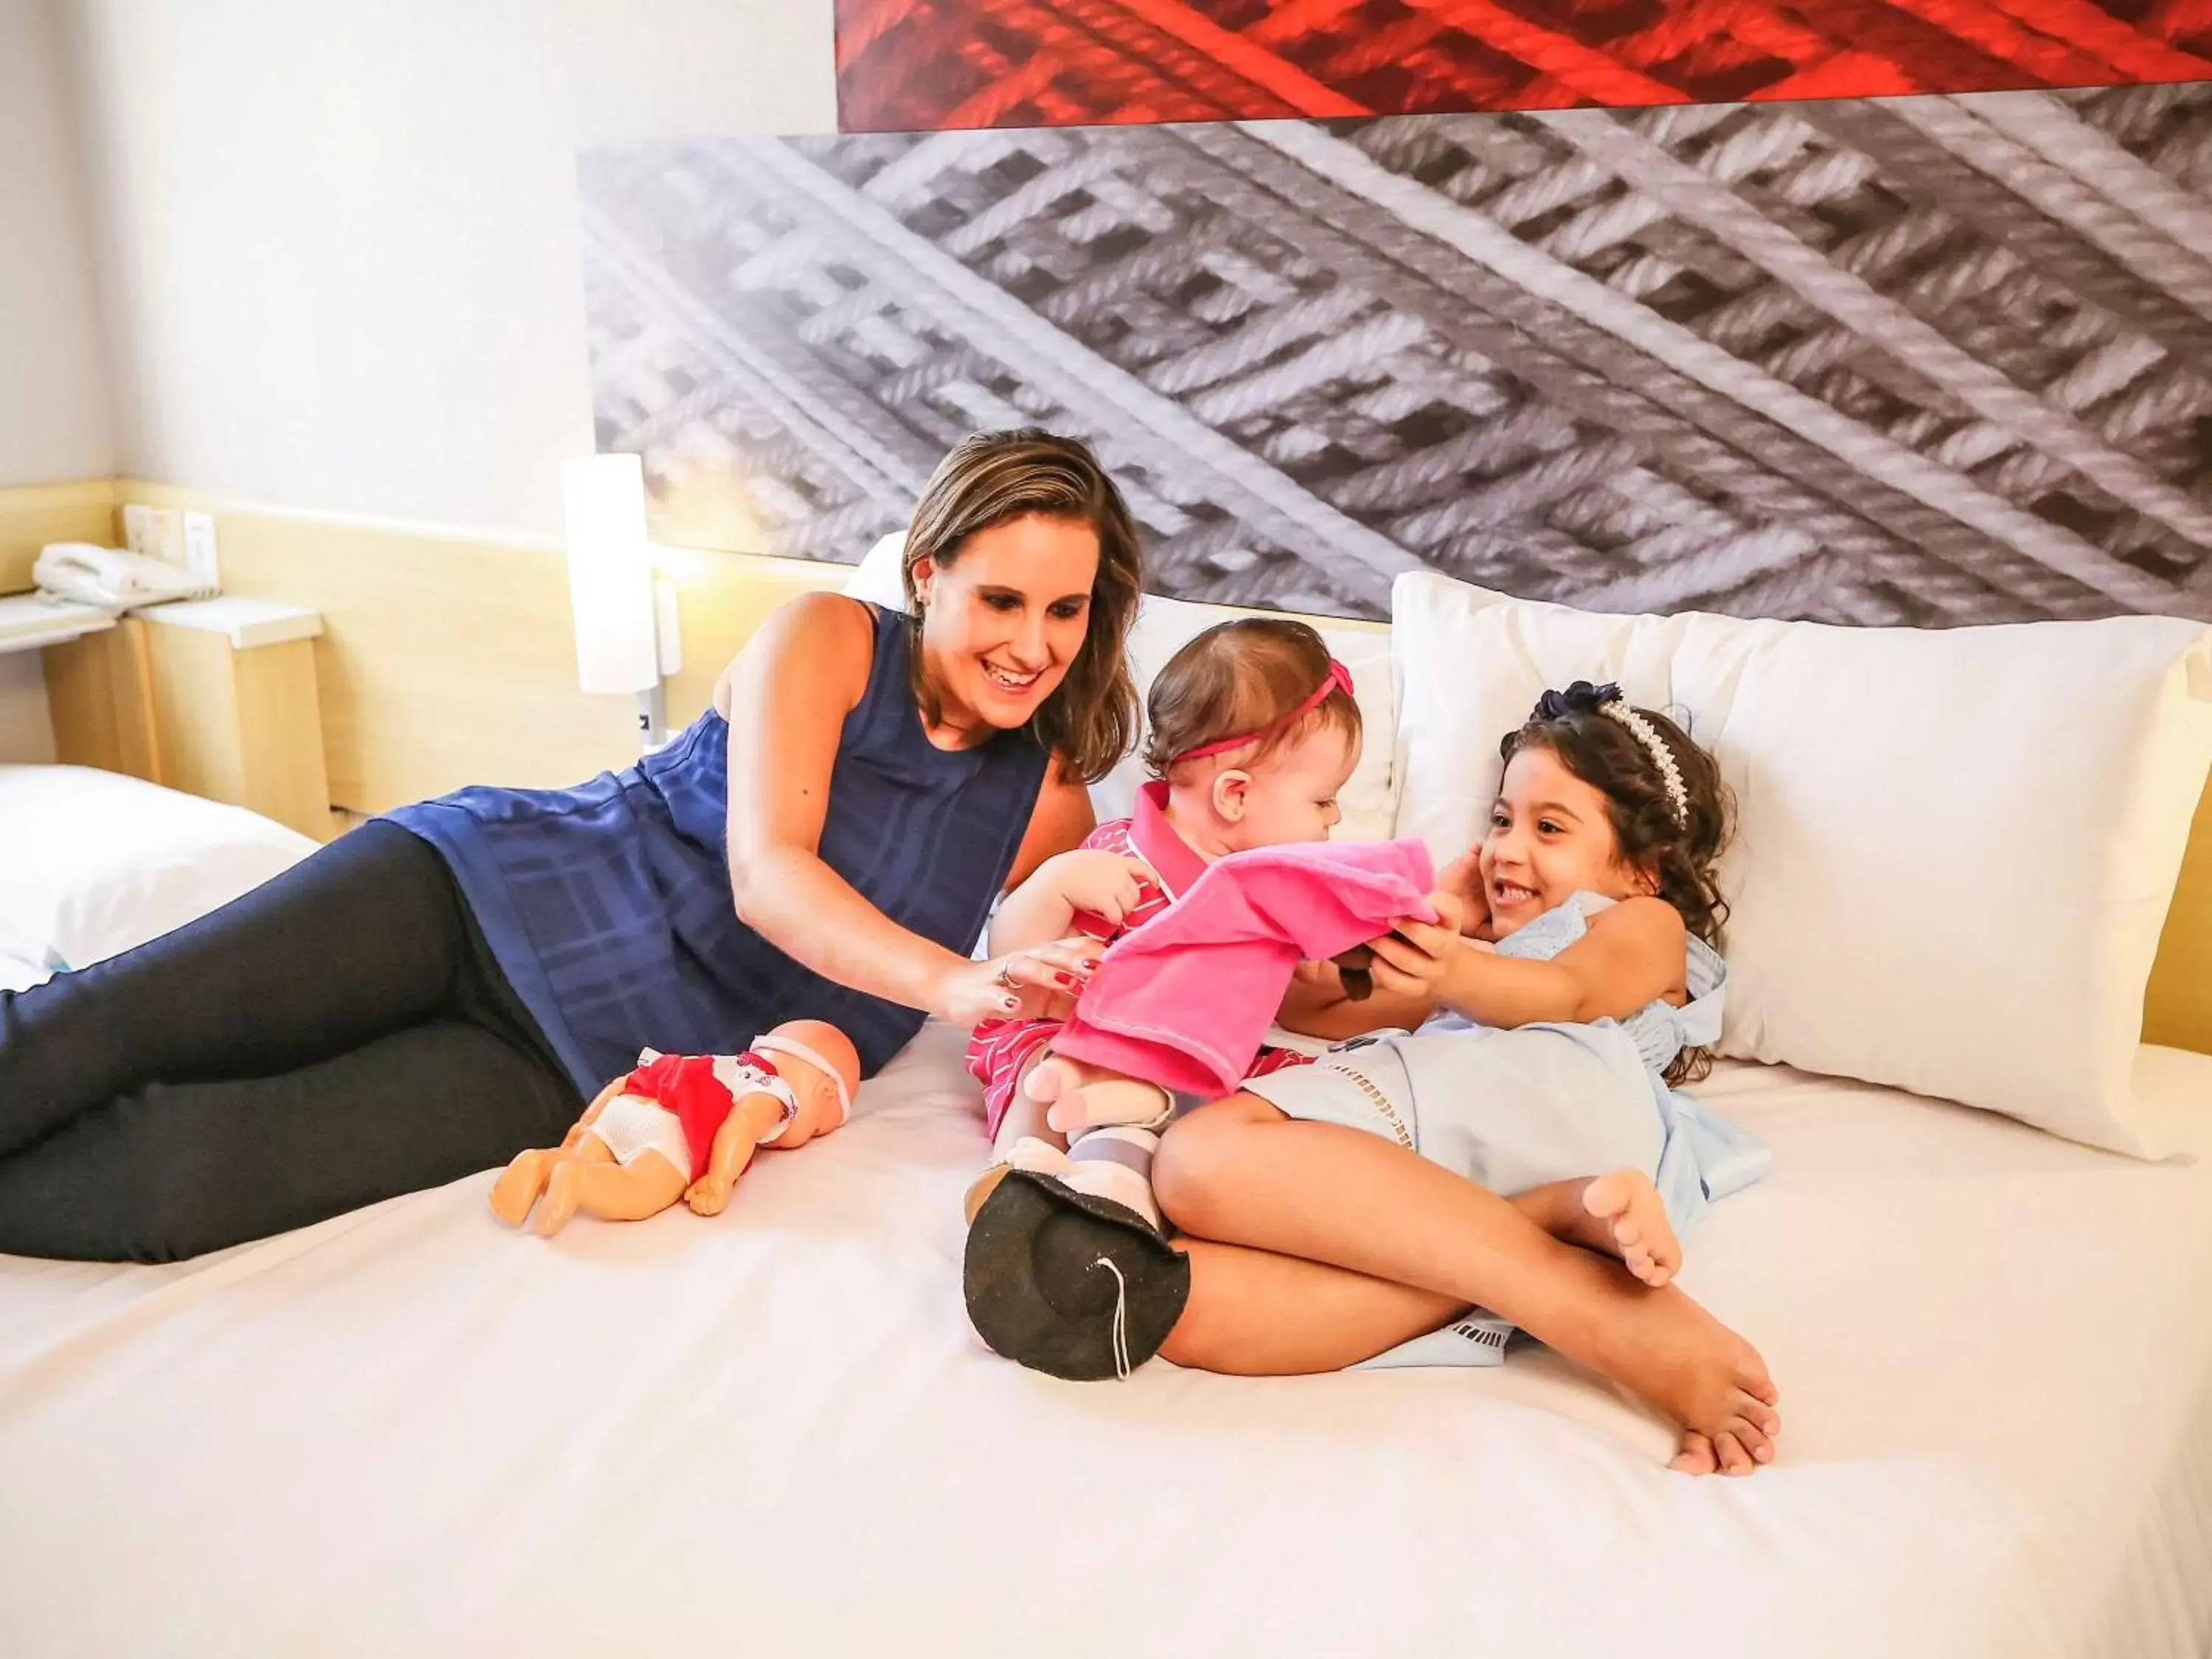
point(1186, 1002)
point(1001, 1050)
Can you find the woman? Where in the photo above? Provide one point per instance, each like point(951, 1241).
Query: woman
point(446, 986)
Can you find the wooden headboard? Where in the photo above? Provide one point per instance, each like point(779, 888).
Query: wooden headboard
point(2178, 1010)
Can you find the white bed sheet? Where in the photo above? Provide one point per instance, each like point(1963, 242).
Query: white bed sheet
point(408, 1431)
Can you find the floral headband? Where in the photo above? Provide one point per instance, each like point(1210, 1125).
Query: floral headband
point(1339, 678)
point(1583, 698)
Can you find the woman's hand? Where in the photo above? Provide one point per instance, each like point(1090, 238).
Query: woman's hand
point(1100, 882)
point(1411, 959)
point(1019, 985)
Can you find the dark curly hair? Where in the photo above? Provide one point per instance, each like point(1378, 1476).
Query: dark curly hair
point(1677, 854)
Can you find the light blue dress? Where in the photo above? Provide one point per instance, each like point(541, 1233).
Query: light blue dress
point(1512, 1109)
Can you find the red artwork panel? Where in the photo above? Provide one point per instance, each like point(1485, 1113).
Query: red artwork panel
point(907, 65)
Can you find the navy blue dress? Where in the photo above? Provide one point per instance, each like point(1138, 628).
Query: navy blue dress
point(609, 906)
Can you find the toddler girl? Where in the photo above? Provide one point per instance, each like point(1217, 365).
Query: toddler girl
point(1254, 732)
point(1589, 985)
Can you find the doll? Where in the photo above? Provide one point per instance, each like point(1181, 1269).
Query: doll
point(684, 1126)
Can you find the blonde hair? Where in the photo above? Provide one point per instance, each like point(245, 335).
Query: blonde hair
point(991, 477)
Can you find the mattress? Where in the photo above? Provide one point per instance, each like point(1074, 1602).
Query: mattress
point(409, 1431)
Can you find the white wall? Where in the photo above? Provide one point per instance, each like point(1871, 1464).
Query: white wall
point(53, 376)
point(343, 232)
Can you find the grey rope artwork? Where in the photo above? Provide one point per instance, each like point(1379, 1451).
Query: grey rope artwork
point(1926, 360)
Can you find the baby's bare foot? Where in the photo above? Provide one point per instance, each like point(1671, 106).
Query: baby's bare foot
point(518, 1187)
point(559, 1203)
point(1634, 1218)
point(1673, 1355)
point(1053, 1076)
point(1088, 1097)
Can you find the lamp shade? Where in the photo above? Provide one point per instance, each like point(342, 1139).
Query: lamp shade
point(610, 573)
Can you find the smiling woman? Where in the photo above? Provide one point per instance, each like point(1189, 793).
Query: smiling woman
point(445, 987)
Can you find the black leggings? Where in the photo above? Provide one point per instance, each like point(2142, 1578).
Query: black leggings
point(338, 1036)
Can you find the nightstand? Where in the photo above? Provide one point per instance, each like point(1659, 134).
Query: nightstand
point(215, 697)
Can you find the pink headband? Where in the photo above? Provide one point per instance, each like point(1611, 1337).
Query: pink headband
point(1339, 678)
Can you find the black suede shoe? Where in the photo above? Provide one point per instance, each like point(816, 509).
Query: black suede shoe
point(1067, 1284)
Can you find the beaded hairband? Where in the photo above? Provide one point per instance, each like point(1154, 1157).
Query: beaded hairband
point(1608, 701)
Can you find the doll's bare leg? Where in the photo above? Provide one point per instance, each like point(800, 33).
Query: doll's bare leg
point(521, 1182)
point(591, 1181)
point(520, 1185)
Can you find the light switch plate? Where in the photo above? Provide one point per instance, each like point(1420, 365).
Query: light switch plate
point(199, 549)
point(166, 539)
point(139, 528)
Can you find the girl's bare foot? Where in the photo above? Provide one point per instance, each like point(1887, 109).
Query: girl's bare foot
point(518, 1187)
point(1674, 1356)
point(1635, 1225)
point(1696, 1456)
point(559, 1203)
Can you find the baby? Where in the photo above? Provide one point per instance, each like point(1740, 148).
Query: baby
point(1254, 731)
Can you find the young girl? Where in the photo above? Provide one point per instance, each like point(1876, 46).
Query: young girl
point(1589, 985)
point(1254, 732)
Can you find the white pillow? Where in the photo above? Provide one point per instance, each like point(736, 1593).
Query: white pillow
point(1163, 626)
point(97, 863)
point(1956, 849)
point(879, 578)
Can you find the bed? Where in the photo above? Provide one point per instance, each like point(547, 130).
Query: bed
point(409, 1431)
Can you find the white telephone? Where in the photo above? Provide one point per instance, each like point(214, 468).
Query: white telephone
point(111, 578)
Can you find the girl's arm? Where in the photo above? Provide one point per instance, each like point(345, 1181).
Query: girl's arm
point(787, 697)
point(1632, 956)
point(1316, 1005)
point(1405, 977)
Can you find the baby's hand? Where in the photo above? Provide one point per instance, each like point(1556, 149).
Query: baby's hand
point(1102, 883)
